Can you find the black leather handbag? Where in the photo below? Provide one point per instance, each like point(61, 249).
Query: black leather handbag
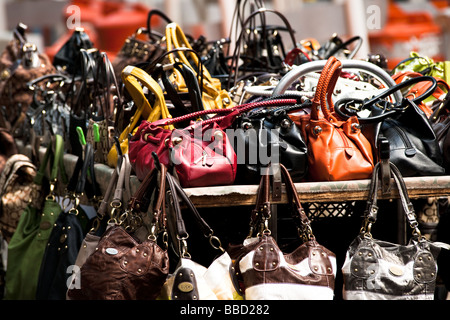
point(265, 137)
point(68, 233)
point(414, 147)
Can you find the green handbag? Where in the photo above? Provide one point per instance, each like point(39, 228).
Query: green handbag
point(28, 243)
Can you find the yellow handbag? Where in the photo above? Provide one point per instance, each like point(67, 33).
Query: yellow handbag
point(132, 78)
point(214, 97)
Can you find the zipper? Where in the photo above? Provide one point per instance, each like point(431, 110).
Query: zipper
point(409, 150)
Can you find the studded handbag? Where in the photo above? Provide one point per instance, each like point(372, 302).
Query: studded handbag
point(380, 270)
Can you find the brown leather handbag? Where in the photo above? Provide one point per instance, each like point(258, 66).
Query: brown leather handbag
point(266, 272)
point(337, 149)
point(122, 266)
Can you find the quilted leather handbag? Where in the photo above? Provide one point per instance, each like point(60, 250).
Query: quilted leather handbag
point(381, 270)
point(268, 273)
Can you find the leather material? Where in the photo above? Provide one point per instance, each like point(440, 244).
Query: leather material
point(260, 134)
point(377, 269)
point(266, 272)
point(337, 149)
point(121, 268)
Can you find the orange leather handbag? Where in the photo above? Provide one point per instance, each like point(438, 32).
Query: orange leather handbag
point(337, 148)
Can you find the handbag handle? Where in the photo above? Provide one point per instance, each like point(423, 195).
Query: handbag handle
point(394, 108)
point(316, 66)
point(230, 114)
point(237, 52)
point(132, 77)
point(151, 14)
point(57, 168)
point(371, 211)
point(298, 213)
point(328, 78)
point(180, 233)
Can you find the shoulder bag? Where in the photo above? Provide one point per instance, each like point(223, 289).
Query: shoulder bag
point(380, 270)
point(29, 241)
point(17, 191)
point(135, 79)
point(68, 231)
point(191, 280)
point(414, 147)
point(198, 151)
point(268, 273)
point(337, 150)
point(123, 267)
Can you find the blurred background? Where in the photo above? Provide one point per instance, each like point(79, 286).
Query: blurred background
point(394, 28)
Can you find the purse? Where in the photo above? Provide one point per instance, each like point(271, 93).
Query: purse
point(191, 280)
point(17, 191)
point(29, 241)
point(214, 97)
point(268, 135)
point(136, 50)
point(196, 152)
point(413, 144)
point(15, 95)
point(110, 208)
point(132, 77)
point(380, 270)
point(337, 149)
point(268, 273)
point(68, 231)
point(123, 267)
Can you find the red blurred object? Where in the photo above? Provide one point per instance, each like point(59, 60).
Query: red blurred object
point(113, 28)
point(405, 32)
point(108, 23)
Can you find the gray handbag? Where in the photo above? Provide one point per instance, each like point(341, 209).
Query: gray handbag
point(380, 270)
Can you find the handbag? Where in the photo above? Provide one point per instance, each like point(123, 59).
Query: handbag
point(214, 97)
point(106, 98)
point(123, 267)
point(268, 134)
point(337, 149)
point(190, 279)
point(67, 59)
point(268, 273)
point(48, 113)
point(197, 151)
point(110, 208)
point(260, 47)
point(380, 270)
point(132, 78)
point(17, 191)
point(27, 246)
point(15, 95)
point(413, 144)
point(68, 231)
